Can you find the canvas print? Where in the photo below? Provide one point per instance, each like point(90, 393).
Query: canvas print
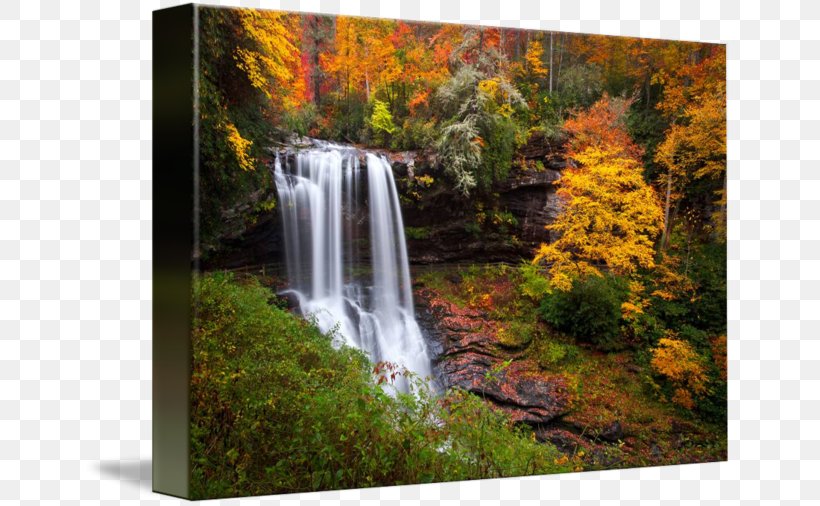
point(426, 252)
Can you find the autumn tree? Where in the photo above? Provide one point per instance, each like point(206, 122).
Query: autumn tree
point(694, 148)
point(535, 60)
point(602, 127)
point(317, 39)
point(480, 103)
point(270, 56)
point(531, 74)
point(249, 77)
point(422, 54)
point(610, 216)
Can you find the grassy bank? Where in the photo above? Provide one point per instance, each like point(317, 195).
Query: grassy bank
point(276, 409)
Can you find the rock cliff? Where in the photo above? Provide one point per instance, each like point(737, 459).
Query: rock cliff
point(448, 226)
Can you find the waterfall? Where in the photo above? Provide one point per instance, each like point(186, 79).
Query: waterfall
point(332, 209)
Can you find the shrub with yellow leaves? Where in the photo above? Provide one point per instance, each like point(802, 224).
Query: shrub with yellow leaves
point(683, 367)
point(240, 147)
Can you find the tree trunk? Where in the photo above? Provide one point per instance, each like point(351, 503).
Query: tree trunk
point(665, 236)
point(517, 45)
point(314, 57)
point(560, 58)
point(648, 92)
point(551, 63)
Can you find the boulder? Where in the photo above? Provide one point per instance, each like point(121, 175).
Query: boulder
point(525, 396)
point(613, 432)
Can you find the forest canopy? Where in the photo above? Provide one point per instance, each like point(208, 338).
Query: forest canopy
point(473, 96)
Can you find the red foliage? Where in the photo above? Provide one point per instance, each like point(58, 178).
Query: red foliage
point(602, 126)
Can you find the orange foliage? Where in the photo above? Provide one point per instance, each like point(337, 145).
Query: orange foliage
point(446, 39)
point(275, 68)
point(628, 61)
point(611, 216)
point(419, 100)
point(695, 145)
point(373, 56)
point(681, 365)
point(602, 126)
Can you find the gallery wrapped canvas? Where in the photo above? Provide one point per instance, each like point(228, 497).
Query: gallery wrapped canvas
point(390, 252)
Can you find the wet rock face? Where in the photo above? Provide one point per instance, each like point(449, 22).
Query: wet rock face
point(526, 397)
point(254, 237)
point(258, 243)
point(527, 194)
point(469, 356)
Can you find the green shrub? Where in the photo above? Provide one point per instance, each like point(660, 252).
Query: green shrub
point(590, 311)
point(501, 138)
point(473, 228)
point(381, 122)
point(534, 283)
point(301, 120)
point(502, 220)
point(709, 273)
point(415, 134)
point(548, 353)
point(417, 232)
point(516, 333)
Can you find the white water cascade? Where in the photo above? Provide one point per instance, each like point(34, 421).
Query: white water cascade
point(327, 198)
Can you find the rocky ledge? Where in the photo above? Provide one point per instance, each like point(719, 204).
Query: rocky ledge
point(469, 355)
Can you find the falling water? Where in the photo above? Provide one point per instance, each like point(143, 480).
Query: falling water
point(326, 199)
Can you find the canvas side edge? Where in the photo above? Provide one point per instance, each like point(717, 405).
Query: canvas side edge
point(174, 163)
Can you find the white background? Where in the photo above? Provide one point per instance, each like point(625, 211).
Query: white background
point(75, 250)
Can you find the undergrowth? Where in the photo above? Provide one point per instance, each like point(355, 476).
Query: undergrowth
point(275, 408)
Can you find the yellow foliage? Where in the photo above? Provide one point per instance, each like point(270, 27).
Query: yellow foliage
point(492, 88)
point(535, 59)
point(671, 282)
point(273, 64)
point(505, 110)
point(630, 309)
point(679, 363)
point(695, 145)
point(636, 304)
point(611, 216)
point(240, 147)
point(489, 86)
point(663, 294)
point(425, 180)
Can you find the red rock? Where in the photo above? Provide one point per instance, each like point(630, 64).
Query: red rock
point(469, 353)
